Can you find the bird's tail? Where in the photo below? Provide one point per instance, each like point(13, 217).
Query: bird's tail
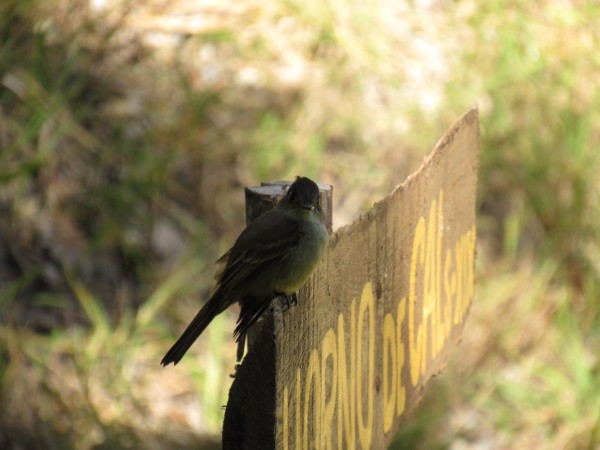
point(209, 311)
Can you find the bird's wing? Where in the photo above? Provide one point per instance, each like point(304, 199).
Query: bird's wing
point(267, 240)
point(221, 265)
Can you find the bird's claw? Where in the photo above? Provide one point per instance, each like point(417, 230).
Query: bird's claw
point(235, 369)
point(287, 301)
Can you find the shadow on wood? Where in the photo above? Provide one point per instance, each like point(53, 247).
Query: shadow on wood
point(250, 412)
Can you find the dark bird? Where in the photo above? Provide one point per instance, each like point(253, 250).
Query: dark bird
point(272, 257)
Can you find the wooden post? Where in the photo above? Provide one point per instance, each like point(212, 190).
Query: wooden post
point(345, 367)
point(260, 199)
point(249, 416)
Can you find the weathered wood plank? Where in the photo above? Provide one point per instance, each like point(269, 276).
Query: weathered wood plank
point(384, 309)
point(346, 366)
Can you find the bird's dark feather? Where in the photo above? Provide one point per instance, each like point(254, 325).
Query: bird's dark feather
point(265, 252)
point(209, 311)
point(252, 309)
point(272, 245)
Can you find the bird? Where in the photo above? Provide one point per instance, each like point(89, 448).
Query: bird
point(272, 257)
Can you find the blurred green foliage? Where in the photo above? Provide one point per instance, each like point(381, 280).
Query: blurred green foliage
point(535, 75)
point(121, 167)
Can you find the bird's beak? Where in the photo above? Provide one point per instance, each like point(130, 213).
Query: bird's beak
point(308, 206)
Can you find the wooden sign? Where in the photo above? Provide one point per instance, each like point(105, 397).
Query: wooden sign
point(346, 366)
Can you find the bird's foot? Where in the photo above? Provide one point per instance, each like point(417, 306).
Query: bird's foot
point(235, 369)
point(287, 301)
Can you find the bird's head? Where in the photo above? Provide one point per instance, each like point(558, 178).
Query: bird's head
point(303, 193)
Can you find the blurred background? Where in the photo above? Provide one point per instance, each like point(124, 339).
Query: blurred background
point(128, 130)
